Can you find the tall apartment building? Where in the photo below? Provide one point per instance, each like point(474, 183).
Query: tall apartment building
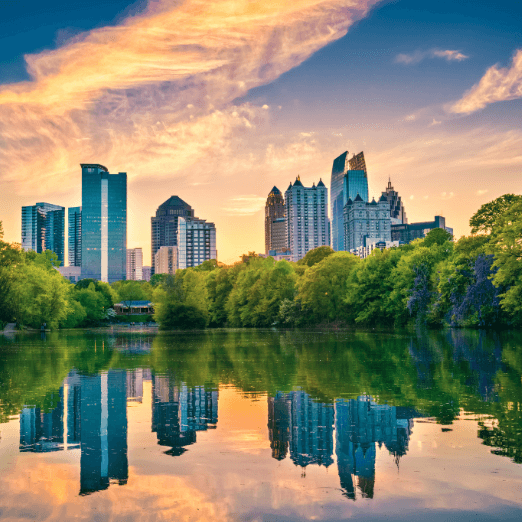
point(104, 224)
point(196, 242)
point(134, 264)
point(307, 225)
point(164, 226)
point(43, 228)
point(274, 213)
point(146, 273)
point(74, 219)
point(397, 210)
point(166, 260)
point(366, 222)
point(349, 178)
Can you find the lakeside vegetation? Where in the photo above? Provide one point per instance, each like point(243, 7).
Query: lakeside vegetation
point(473, 282)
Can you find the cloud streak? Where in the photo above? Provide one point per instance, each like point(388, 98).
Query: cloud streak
point(419, 56)
point(498, 84)
point(157, 90)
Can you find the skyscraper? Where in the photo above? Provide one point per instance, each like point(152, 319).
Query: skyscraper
point(134, 264)
point(397, 211)
point(75, 236)
point(274, 211)
point(164, 227)
point(196, 242)
point(339, 169)
point(166, 260)
point(104, 224)
point(43, 228)
point(306, 218)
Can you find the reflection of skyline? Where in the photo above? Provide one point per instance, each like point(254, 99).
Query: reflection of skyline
point(178, 412)
point(304, 428)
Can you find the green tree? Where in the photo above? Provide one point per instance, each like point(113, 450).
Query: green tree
point(171, 315)
point(93, 303)
point(316, 255)
point(219, 284)
point(490, 214)
point(128, 291)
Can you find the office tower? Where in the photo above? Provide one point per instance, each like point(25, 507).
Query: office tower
point(74, 219)
point(196, 242)
point(357, 162)
point(274, 213)
point(146, 273)
point(164, 227)
point(360, 424)
point(278, 235)
point(43, 228)
point(397, 211)
point(306, 218)
point(134, 264)
point(366, 222)
point(339, 168)
point(104, 224)
point(408, 232)
point(166, 260)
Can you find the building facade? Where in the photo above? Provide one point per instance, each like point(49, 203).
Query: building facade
point(134, 264)
point(164, 226)
point(307, 225)
point(274, 216)
point(366, 222)
point(278, 235)
point(406, 233)
point(196, 242)
point(166, 260)
point(104, 224)
point(146, 273)
point(397, 211)
point(74, 219)
point(43, 228)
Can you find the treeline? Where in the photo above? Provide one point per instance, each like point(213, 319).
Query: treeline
point(436, 281)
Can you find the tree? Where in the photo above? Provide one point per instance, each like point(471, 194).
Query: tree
point(128, 291)
point(1, 231)
point(171, 315)
point(93, 303)
point(316, 255)
point(437, 236)
point(490, 214)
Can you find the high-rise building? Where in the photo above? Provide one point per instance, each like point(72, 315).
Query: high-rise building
point(274, 210)
point(278, 235)
point(366, 222)
point(166, 260)
point(134, 264)
point(43, 228)
point(357, 162)
point(164, 226)
point(146, 273)
point(307, 225)
point(104, 224)
point(196, 242)
point(74, 219)
point(397, 211)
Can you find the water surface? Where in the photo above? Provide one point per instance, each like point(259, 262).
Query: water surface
point(261, 426)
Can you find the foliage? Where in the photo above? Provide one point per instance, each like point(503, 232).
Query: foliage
point(316, 255)
point(177, 316)
point(489, 214)
point(127, 291)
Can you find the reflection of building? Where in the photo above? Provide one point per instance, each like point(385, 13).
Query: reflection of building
point(135, 385)
point(307, 224)
point(104, 224)
point(179, 412)
point(275, 236)
point(43, 228)
point(134, 264)
point(360, 424)
point(305, 427)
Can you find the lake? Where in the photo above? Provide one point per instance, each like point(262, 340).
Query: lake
point(250, 425)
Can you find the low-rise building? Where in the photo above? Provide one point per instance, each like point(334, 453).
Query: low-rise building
point(134, 308)
point(72, 273)
point(406, 233)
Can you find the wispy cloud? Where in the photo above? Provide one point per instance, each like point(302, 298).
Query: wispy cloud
point(447, 195)
point(157, 90)
point(418, 56)
point(245, 205)
point(482, 192)
point(498, 84)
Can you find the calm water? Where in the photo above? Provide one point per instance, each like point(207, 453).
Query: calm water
point(261, 426)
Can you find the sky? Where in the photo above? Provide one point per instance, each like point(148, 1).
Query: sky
point(218, 101)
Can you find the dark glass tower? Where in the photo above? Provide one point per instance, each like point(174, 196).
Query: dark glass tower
point(104, 224)
point(164, 227)
point(274, 209)
point(43, 228)
point(75, 236)
point(339, 168)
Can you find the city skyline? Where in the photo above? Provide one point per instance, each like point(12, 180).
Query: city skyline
point(431, 92)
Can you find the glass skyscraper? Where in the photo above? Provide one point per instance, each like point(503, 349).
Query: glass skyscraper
point(336, 200)
point(104, 224)
point(43, 228)
point(355, 182)
point(74, 219)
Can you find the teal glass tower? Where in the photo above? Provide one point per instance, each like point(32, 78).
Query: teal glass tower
point(104, 224)
point(43, 228)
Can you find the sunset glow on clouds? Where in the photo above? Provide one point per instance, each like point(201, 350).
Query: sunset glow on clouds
point(174, 96)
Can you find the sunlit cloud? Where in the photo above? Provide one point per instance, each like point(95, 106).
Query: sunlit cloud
point(419, 56)
point(447, 195)
point(154, 95)
point(482, 192)
point(498, 84)
point(245, 205)
point(435, 122)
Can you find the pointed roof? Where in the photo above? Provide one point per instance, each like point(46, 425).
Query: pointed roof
point(289, 186)
point(275, 191)
point(175, 201)
point(383, 198)
point(320, 184)
point(373, 202)
point(298, 182)
point(349, 202)
point(358, 198)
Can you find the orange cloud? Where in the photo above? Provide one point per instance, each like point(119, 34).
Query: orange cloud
point(496, 85)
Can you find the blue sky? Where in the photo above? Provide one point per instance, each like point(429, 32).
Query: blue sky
point(218, 101)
